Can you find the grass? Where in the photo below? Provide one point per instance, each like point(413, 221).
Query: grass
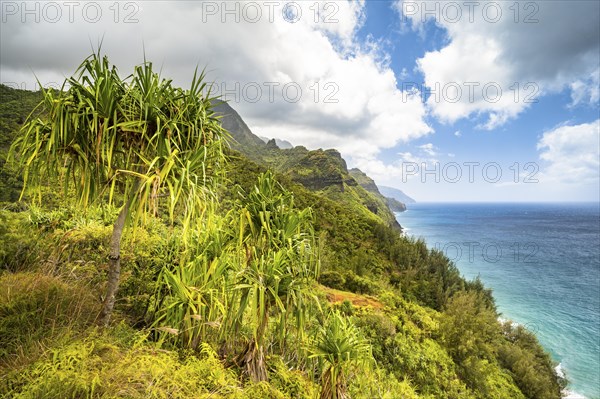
point(35, 310)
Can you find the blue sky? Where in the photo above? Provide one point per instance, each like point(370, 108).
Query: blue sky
point(513, 145)
point(358, 76)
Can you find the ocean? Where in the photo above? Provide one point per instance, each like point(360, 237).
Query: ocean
point(542, 261)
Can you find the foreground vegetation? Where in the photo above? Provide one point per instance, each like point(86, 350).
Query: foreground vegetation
point(234, 282)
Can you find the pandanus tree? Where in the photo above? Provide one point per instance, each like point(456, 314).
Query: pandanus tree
point(191, 298)
point(338, 345)
point(278, 262)
point(128, 141)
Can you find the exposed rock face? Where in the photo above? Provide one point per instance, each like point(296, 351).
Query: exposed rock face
point(365, 181)
point(395, 205)
point(283, 144)
point(272, 144)
point(368, 184)
point(351, 182)
point(319, 169)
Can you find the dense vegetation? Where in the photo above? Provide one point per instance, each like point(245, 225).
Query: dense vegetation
point(270, 289)
point(15, 107)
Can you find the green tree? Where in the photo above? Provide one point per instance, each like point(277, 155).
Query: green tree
point(532, 369)
point(129, 140)
point(470, 333)
point(279, 261)
point(338, 345)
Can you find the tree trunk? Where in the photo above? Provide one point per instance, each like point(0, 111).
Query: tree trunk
point(252, 359)
point(333, 385)
point(114, 270)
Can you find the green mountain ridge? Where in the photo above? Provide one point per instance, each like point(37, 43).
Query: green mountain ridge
point(283, 144)
point(321, 171)
point(383, 314)
point(244, 139)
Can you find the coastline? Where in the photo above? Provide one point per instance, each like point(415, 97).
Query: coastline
point(566, 394)
point(446, 220)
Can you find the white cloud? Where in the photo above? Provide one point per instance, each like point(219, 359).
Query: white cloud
point(429, 149)
point(312, 83)
point(457, 133)
point(503, 55)
point(571, 154)
point(586, 90)
point(406, 167)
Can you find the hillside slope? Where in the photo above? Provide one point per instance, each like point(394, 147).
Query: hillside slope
point(425, 332)
point(322, 171)
point(15, 106)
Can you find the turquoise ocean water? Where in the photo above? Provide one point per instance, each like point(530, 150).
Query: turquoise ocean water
point(542, 262)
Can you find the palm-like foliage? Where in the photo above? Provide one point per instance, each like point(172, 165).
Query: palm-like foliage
point(278, 262)
point(191, 298)
point(137, 138)
point(337, 345)
point(242, 274)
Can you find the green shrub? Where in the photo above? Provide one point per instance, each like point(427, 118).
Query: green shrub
point(100, 367)
point(144, 253)
point(52, 219)
point(292, 383)
point(346, 308)
point(332, 279)
point(380, 331)
point(370, 384)
point(531, 368)
point(359, 285)
point(262, 390)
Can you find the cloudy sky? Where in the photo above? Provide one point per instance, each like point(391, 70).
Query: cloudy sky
point(446, 100)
